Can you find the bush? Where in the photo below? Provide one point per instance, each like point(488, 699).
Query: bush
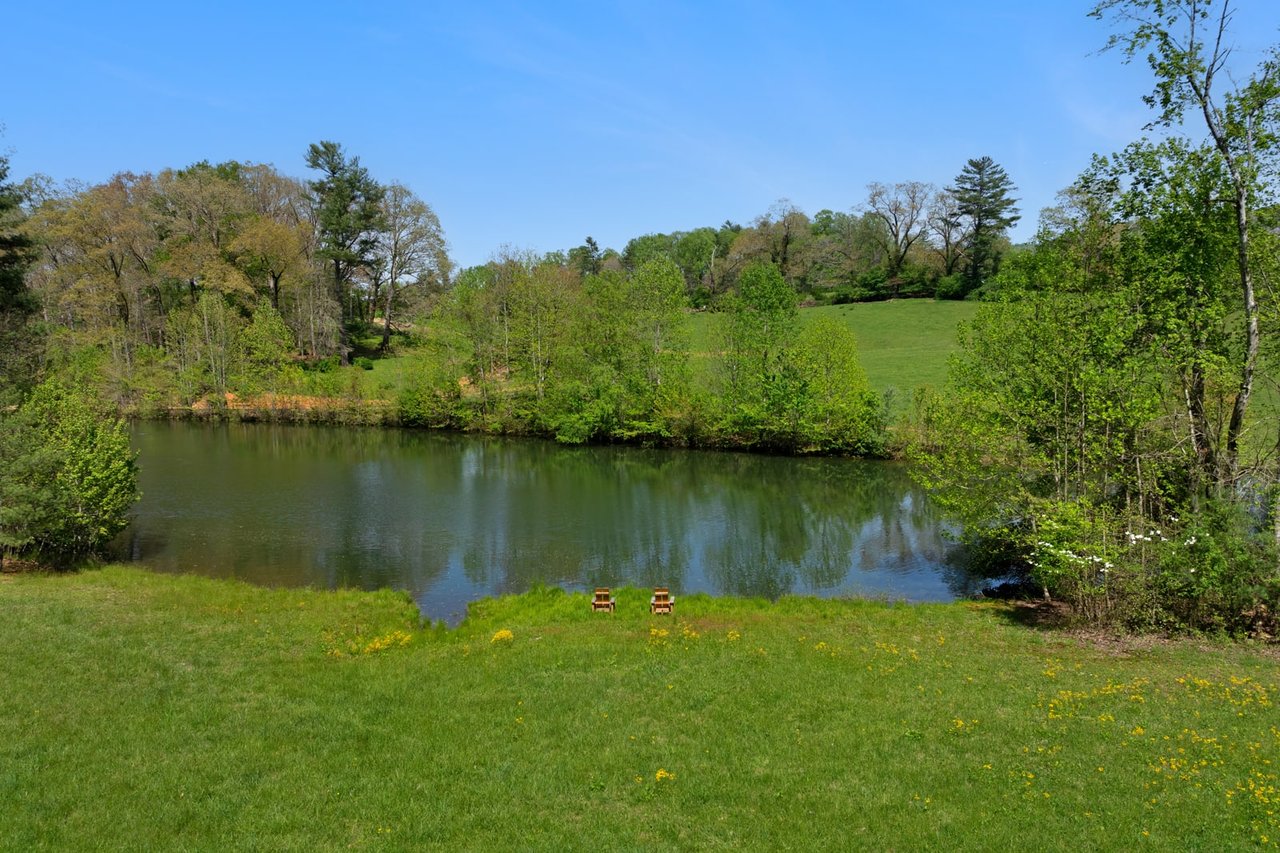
point(1210, 572)
point(950, 287)
point(363, 362)
point(67, 476)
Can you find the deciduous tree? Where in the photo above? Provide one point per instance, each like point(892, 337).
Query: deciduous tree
point(1188, 47)
point(902, 208)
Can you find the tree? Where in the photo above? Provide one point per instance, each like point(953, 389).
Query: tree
point(348, 214)
point(586, 259)
point(845, 413)
point(277, 238)
point(695, 252)
point(778, 237)
point(902, 208)
point(17, 303)
point(982, 197)
point(846, 249)
point(197, 213)
point(640, 250)
point(98, 272)
point(946, 224)
point(67, 476)
point(1188, 49)
point(411, 248)
point(760, 327)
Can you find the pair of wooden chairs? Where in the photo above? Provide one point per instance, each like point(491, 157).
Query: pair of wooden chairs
point(662, 600)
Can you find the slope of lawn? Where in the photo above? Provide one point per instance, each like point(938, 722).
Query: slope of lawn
point(148, 711)
point(903, 344)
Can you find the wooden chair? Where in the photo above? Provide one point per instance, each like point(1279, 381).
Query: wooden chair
point(603, 600)
point(662, 601)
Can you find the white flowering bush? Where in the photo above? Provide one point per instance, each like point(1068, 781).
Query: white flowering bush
point(1208, 572)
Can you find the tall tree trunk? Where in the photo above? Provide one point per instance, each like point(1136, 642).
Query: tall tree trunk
point(386, 317)
point(344, 313)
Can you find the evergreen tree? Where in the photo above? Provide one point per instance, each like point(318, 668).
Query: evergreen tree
point(16, 301)
point(982, 194)
point(348, 210)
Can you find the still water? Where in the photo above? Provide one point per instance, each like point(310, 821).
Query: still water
point(452, 518)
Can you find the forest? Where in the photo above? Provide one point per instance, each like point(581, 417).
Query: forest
point(1109, 426)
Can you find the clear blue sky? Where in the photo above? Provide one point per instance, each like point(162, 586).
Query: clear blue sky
point(538, 124)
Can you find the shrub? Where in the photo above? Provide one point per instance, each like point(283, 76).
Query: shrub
point(67, 476)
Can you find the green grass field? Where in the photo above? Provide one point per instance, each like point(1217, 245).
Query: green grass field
point(902, 344)
point(146, 711)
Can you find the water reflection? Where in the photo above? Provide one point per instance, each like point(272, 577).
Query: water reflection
point(452, 518)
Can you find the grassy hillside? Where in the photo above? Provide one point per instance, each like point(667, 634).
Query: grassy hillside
point(154, 712)
point(903, 344)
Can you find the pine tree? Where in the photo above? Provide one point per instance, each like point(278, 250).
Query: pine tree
point(17, 345)
point(982, 194)
point(348, 205)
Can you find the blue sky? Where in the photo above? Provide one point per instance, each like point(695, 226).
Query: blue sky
point(536, 125)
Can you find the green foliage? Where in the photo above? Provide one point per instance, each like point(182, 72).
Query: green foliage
point(67, 475)
point(265, 349)
point(950, 287)
point(348, 206)
point(17, 303)
point(1083, 429)
point(784, 389)
point(982, 197)
point(845, 414)
point(16, 250)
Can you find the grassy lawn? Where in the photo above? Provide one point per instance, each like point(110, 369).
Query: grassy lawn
point(156, 712)
point(903, 344)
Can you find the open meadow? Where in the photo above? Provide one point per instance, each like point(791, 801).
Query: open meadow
point(144, 711)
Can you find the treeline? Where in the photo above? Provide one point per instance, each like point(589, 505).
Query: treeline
point(908, 239)
point(1110, 423)
point(235, 288)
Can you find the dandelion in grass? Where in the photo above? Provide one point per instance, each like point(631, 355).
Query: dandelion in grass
point(386, 641)
point(502, 635)
point(663, 775)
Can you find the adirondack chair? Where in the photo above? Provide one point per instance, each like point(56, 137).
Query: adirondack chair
point(662, 601)
point(602, 600)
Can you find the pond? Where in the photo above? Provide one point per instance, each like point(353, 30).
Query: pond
point(451, 518)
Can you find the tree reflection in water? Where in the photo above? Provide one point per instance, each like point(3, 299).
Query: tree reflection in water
point(451, 518)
